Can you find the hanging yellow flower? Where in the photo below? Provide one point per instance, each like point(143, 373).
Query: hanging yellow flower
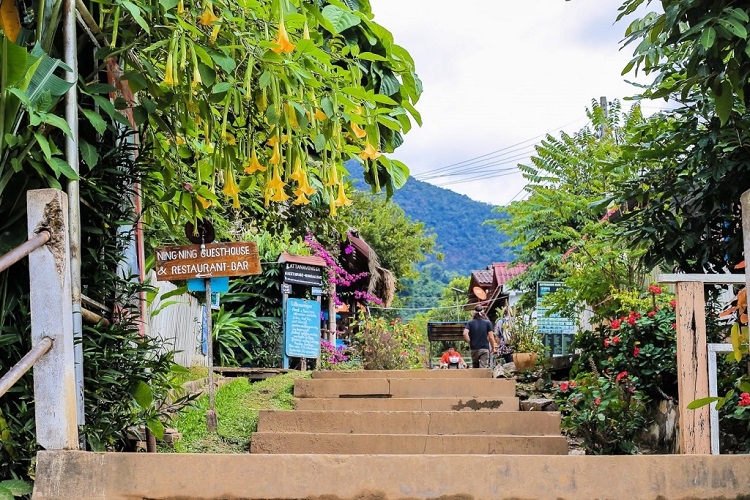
point(180, 7)
point(275, 182)
point(208, 17)
point(254, 165)
point(369, 153)
point(197, 80)
point(306, 32)
point(169, 72)
point(341, 199)
point(229, 139)
point(282, 45)
point(358, 131)
point(298, 173)
point(214, 33)
point(333, 179)
point(203, 201)
point(291, 116)
point(280, 195)
point(273, 140)
point(276, 157)
point(267, 193)
point(301, 198)
point(320, 115)
point(231, 188)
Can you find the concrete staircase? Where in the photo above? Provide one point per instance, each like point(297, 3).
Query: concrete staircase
point(452, 443)
point(408, 412)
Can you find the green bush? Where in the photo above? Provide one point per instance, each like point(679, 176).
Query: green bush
point(384, 345)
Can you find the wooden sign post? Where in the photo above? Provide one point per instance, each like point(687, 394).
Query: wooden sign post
point(210, 260)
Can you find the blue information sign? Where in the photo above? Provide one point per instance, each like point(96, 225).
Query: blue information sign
point(302, 328)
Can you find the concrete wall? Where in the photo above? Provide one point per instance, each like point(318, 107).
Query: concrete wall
point(114, 476)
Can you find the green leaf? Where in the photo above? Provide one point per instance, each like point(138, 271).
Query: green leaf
point(43, 144)
point(702, 402)
point(61, 166)
point(736, 344)
point(224, 62)
point(734, 26)
point(16, 487)
point(156, 427)
point(724, 102)
point(5, 494)
point(142, 394)
point(136, 13)
point(708, 37)
point(745, 386)
point(59, 122)
point(95, 120)
point(339, 18)
point(88, 152)
point(369, 56)
point(169, 4)
point(15, 64)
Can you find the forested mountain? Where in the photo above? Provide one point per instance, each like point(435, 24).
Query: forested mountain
point(457, 220)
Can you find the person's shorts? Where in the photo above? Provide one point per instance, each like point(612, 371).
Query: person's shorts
point(480, 358)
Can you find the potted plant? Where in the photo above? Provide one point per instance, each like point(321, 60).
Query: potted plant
point(525, 340)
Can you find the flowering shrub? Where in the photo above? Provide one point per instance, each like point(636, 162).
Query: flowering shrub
point(384, 345)
point(640, 342)
point(336, 358)
point(337, 275)
point(606, 412)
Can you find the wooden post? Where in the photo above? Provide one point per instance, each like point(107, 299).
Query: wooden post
point(212, 423)
point(51, 316)
point(692, 368)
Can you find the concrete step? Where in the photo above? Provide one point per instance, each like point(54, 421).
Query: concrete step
point(411, 422)
point(405, 388)
point(503, 404)
point(406, 444)
point(126, 476)
point(473, 373)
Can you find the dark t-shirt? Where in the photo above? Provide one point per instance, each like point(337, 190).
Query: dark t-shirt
point(478, 330)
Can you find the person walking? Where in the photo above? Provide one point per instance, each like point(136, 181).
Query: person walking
point(479, 333)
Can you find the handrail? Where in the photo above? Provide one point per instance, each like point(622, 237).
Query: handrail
point(37, 241)
point(19, 369)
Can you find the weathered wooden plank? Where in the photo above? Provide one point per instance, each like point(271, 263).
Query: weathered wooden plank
point(692, 368)
point(213, 260)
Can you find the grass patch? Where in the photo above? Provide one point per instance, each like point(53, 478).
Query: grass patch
point(237, 406)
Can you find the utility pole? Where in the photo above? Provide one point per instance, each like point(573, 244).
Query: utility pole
point(605, 109)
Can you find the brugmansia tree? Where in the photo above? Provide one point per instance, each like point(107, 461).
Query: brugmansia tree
point(263, 97)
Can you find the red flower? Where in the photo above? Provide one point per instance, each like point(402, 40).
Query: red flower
point(615, 324)
point(656, 290)
point(744, 399)
point(636, 350)
point(673, 326)
point(631, 320)
point(651, 314)
point(598, 401)
point(573, 383)
point(575, 400)
point(564, 386)
point(621, 376)
point(606, 342)
point(673, 303)
point(616, 339)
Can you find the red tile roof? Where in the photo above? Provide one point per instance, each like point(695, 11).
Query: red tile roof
point(504, 271)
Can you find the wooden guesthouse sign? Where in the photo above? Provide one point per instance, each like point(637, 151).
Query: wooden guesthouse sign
point(213, 260)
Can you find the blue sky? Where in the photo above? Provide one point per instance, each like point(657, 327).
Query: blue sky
point(498, 74)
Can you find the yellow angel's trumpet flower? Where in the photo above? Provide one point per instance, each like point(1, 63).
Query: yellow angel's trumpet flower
point(291, 116)
point(298, 173)
point(331, 206)
point(306, 32)
point(369, 153)
point(229, 138)
point(254, 165)
point(320, 115)
point(197, 80)
point(208, 17)
point(334, 177)
point(203, 201)
point(180, 7)
point(267, 193)
point(231, 188)
point(169, 71)
point(276, 157)
point(282, 45)
point(275, 182)
point(358, 131)
point(214, 33)
point(280, 195)
point(305, 187)
point(301, 198)
point(341, 199)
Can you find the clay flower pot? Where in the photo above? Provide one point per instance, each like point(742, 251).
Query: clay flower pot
point(524, 360)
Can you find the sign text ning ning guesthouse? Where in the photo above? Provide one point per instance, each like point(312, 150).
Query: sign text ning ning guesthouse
point(213, 260)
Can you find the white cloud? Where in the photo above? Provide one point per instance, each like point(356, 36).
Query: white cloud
point(499, 72)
